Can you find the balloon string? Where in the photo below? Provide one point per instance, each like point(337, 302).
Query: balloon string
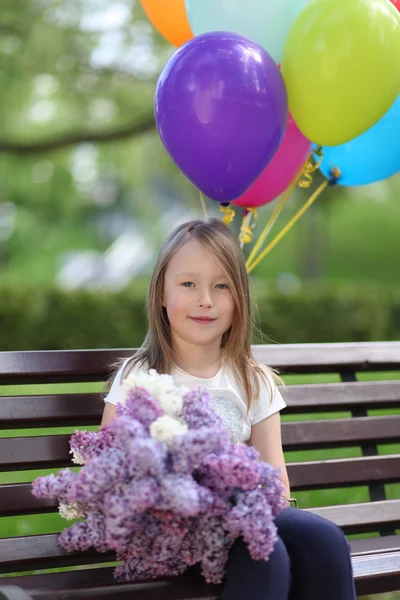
point(275, 214)
point(229, 213)
point(288, 226)
point(305, 171)
point(308, 169)
point(246, 233)
point(203, 205)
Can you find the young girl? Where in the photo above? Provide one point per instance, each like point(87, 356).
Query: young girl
point(199, 332)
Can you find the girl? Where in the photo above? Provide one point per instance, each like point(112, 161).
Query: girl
point(200, 327)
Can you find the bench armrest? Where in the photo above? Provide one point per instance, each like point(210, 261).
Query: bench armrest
point(12, 592)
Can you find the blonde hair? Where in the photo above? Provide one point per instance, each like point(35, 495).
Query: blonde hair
point(157, 352)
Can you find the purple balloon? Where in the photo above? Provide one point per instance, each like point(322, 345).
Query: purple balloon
point(221, 110)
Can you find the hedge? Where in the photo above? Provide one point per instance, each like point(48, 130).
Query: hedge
point(49, 318)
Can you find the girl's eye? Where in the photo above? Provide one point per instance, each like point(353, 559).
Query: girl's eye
point(224, 286)
point(188, 283)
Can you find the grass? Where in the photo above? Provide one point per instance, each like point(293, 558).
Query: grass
point(53, 523)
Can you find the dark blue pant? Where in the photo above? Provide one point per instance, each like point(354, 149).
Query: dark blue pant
point(311, 561)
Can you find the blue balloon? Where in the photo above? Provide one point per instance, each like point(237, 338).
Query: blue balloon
point(370, 157)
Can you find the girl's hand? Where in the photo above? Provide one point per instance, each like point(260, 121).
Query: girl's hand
point(108, 414)
point(266, 438)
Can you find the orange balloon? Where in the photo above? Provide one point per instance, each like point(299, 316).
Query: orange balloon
point(170, 19)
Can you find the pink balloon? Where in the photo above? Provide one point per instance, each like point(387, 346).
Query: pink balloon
point(276, 177)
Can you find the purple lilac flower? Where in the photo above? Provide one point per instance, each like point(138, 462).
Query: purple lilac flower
point(272, 487)
point(120, 522)
point(146, 457)
point(143, 494)
point(163, 509)
point(140, 405)
point(75, 538)
point(252, 518)
point(54, 486)
point(222, 472)
point(85, 445)
point(214, 540)
point(180, 494)
point(125, 430)
point(197, 410)
point(189, 450)
point(98, 476)
point(96, 531)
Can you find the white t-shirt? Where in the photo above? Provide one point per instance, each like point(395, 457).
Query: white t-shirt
point(226, 394)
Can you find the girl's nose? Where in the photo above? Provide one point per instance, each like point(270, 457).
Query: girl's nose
point(205, 300)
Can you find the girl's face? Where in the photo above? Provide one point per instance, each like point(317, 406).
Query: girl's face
point(196, 286)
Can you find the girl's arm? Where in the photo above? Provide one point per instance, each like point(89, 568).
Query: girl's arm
point(266, 438)
point(108, 413)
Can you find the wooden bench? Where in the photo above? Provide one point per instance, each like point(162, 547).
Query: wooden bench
point(376, 560)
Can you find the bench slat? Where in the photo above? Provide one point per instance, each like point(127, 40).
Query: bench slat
point(58, 366)
point(330, 397)
point(53, 451)
point(86, 409)
point(363, 517)
point(385, 543)
point(100, 584)
point(94, 365)
point(373, 574)
point(376, 574)
point(62, 410)
point(16, 498)
point(336, 433)
point(329, 358)
point(42, 551)
point(104, 575)
point(344, 472)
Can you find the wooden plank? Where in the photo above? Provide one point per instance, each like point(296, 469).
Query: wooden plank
point(16, 498)
point(93, 584)
point(328, 358)
point(345, 472)
point(53, 451)
point(363, 517)
point(373, 574)
point(38, 452)
point(86, 409)
point(58, 366)
point(19, 412)
point(41, 552)
point(329, 397)
point(377, 574)
point(336, 433)
point(385, 543)
point(94, 365)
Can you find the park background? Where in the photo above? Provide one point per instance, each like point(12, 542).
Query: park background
point(88, 193)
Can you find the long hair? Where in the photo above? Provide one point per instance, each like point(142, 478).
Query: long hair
point(157, 352)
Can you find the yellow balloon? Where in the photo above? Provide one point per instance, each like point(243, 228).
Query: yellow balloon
point(170, 18)
point(341, 65)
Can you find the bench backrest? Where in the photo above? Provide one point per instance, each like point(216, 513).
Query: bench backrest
point(309, 424)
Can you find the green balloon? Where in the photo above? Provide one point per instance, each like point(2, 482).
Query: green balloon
point(265, 22)
point(341, 66)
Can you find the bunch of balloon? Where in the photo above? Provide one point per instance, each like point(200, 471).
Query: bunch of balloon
point(241, 129)
point(370, 157)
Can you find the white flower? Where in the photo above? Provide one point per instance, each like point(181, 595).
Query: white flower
point(165, 428)
point(70, 511)
point(171, 403)
point(77, 457)
point(161, 388)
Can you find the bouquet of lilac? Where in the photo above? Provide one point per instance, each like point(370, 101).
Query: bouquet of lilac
point(164, 487)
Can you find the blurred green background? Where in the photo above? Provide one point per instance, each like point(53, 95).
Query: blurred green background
point(87, 194)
